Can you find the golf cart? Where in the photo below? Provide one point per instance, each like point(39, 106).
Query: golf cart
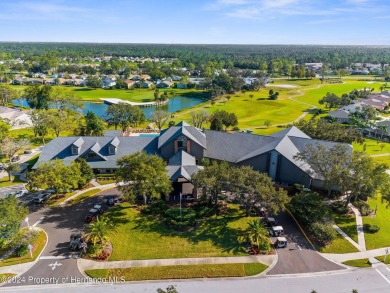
point(281, 242)
point(75, 241)
point(276, 231)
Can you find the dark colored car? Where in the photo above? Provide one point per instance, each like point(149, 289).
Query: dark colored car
point(110, 201)
point(28, 151)
point(42, 198)
point(92, 215)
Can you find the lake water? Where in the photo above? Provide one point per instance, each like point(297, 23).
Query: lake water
point(174, 104)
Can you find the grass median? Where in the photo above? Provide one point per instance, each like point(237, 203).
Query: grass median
point(83, 196)
point(359, 263)
point(38, 245)
point(181, 271)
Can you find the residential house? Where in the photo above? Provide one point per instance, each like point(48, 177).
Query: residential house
point(15, 117)
point(184, 147)
point(165, 84)
point(130, 83)
point(182, 85)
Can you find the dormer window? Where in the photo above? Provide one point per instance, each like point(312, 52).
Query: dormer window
point(74, 150)
point(112, 150)
point(112, 147)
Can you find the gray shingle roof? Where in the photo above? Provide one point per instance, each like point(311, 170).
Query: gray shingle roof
point(290, 131)
point(231, 147)
point(175, 172)
point(182, 128)
point(341, 114)
point(59, 148)
point(182, 158)
point(115, 142)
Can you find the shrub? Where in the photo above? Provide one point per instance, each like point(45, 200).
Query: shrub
point(159, 207)
point(338, 207)
point(22, 250)
point(93, 250)
point(368, 228)
point(324, 233)
point(175, 220)
point(363, 207)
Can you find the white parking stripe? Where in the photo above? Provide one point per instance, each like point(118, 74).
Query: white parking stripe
point(383, 276)
point(37, 222)
point(388, 269)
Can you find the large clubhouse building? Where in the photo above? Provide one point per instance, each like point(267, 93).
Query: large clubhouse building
point(184, 147)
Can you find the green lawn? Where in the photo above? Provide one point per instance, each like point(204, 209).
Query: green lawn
point(382, 160)
point(382, 259)
point(5, 183)
point(360, 263)
point(137, 236)
point(339, 245)
point(83, 196)
point(382, 219)
point(373, 147)
point(347, 223)
point(134, 95)
point(181, 271)
point(38, 246)
point(57, 199)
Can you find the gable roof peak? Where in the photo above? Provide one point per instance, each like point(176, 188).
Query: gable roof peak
point(291, 131)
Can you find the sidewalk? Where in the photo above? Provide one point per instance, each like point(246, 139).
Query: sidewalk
point(355, 255)
point(86, 264)
point(359, 227)
point(100, 187)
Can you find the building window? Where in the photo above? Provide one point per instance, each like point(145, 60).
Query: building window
point(111, 150)
point(75, 150)
point(182, 143)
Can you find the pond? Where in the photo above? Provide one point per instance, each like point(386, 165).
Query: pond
point(174, 104)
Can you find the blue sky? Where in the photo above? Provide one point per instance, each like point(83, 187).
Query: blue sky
point(349, 22)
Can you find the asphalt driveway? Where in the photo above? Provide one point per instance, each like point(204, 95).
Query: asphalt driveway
point(299, 256)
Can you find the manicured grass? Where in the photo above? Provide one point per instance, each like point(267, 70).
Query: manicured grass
point(137, 236)
point(103, 182)
point(339, 245)
point(373, 147)
point(382, 160)
point(382, 259)
point(134, 95)
point(181, 271)
point(359, 263)
point(38, 246)
point(5, 277)
point(382, 219)
point(57, 199)
point(5, 183)
point(347, 223)
point(83, 196)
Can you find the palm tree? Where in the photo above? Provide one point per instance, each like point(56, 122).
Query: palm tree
point(259, 235)
point(98, 231)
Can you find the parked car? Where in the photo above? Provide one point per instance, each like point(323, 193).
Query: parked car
point(28, 151)
point(99, 208)
point(92, 215)
point(42, 198)
point(270, 221)
point(110, 201)
point(277, 231)
point(1, 167)
point(281, 242)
